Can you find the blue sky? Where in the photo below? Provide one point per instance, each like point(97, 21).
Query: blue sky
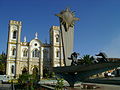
point(97, 30)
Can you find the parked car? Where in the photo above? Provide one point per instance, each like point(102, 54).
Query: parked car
point(109, 74)
point(4, 78)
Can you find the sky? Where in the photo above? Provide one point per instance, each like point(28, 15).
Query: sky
point(98, 28)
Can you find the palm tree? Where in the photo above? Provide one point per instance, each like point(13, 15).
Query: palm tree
point(87, 59)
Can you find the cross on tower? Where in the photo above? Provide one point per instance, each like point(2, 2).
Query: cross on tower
point(36, 35)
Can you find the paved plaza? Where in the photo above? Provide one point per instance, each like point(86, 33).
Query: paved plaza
point(80, 85)
point(5, 87)
point(100, 87)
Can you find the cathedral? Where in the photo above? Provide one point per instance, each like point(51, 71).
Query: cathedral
point(32, 56)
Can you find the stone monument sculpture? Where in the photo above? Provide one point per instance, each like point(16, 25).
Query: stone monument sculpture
point(67, 20)
point(72, 72)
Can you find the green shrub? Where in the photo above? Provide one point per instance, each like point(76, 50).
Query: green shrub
point(59, 84)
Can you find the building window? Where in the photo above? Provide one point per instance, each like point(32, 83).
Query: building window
point(57, 38)
point(58, 54)
point(14, 34)
point(12, 69)
point(24, 71)
point(25, 53)
point(35, 44)
point(35, 53)
point(14, 52)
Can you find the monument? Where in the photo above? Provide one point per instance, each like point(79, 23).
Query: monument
point(72, 72)
point(67, 20)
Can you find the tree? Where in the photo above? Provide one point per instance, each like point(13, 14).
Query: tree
point(2, 68)
point(3, 58)
point(26, 81)
point(87, 59)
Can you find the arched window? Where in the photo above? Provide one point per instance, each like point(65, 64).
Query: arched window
point(25, 53)
point(57, 38)
point(57, 53)
point(35, 70)
point(14, 52)
point(14, 34)
point(12, 69)
point(24, 71)
point(35, 53)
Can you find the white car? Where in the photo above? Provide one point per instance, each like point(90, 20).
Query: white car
point(110, 75)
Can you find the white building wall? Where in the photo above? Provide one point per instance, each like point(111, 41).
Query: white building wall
point(22, 49)
point(12, 28)
point(11, 49)
point(10, 66)
point(33, 47)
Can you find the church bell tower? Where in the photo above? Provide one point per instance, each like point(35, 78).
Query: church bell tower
point(13, 47)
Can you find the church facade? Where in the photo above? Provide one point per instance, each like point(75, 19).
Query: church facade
point(34, 55)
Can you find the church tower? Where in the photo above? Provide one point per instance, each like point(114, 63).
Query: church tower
point(56, 46)
point(13, 48)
